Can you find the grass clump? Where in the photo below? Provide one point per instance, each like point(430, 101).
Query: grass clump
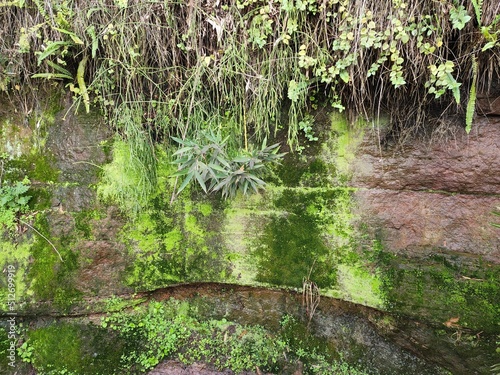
point(125, 180)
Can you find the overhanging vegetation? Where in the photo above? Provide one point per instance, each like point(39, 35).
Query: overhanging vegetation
point(159, 68)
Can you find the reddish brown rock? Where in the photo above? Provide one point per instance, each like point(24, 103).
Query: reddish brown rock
point(467, 164)
point(423, 223)
point(434, 198)
point(488, 105)
point(103, 257)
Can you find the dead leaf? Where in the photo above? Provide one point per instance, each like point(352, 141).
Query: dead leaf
point(452, 322)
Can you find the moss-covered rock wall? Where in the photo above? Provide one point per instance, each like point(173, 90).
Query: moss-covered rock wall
point(366, 224)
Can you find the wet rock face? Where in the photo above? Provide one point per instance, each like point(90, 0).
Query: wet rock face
point(75, 141)
point(102, 259)
point(434, 198)
point(468, 164)
point(428, 223)
point(488, 103)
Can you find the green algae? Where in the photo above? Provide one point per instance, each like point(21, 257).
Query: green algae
point(290, 247)
point(71, 348)
point(303, 225)
point(170, 243)
point(17, 255)
point(436, 290)
point(50, 278)
point(357, 284)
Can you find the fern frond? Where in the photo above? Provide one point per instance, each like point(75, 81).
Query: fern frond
point(471, 104)
point(478, 9)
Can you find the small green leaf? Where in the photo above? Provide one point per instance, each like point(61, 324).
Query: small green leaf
point(186, 181)
point(200, 181)
point(459, 17)
point(51, 48)
point(344, 75)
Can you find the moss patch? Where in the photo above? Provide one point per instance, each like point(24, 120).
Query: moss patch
point(63, 348)
point(174, 243)
point(436, 290)
point(17, 255)
point(359, 285)
point(291, 245)
point(51, 278)
point(338, 150)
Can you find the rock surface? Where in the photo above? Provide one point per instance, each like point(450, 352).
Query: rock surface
point(434, 198)
point(177, 368)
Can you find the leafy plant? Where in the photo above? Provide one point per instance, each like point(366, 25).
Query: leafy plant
point(256, 59)
point(207, 162)
point(13, 203)
point(172, 329)
point(459, 17)
point(306, 125)
point(154, 331)
point(442, 80)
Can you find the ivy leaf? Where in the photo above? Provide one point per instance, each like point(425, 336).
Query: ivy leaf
point(293, 91)
point(344, 75)
point(459, 17)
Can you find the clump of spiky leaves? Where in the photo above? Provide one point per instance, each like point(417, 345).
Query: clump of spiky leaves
point(250, 59)
point(206, 161)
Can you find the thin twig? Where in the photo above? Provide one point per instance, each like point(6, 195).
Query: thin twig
point(45, 238)
point(87, 162)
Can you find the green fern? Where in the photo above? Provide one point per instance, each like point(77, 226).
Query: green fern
point(478, 9)
point(471, 105)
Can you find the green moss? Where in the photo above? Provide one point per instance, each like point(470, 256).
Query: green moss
point(205, 209)
point(83, 221)
point(343, 142)
point(51, 278)
point(292, 244)
point(17, 255)
point(175, 242)
point(357, 284)
point(4, 351)
point(37, 166)
point(41, 198)
point(74, 349)
point(437, 290)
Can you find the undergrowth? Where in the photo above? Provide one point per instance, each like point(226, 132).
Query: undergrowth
point(157, 68)
point(251, 69)
point(171, 330)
